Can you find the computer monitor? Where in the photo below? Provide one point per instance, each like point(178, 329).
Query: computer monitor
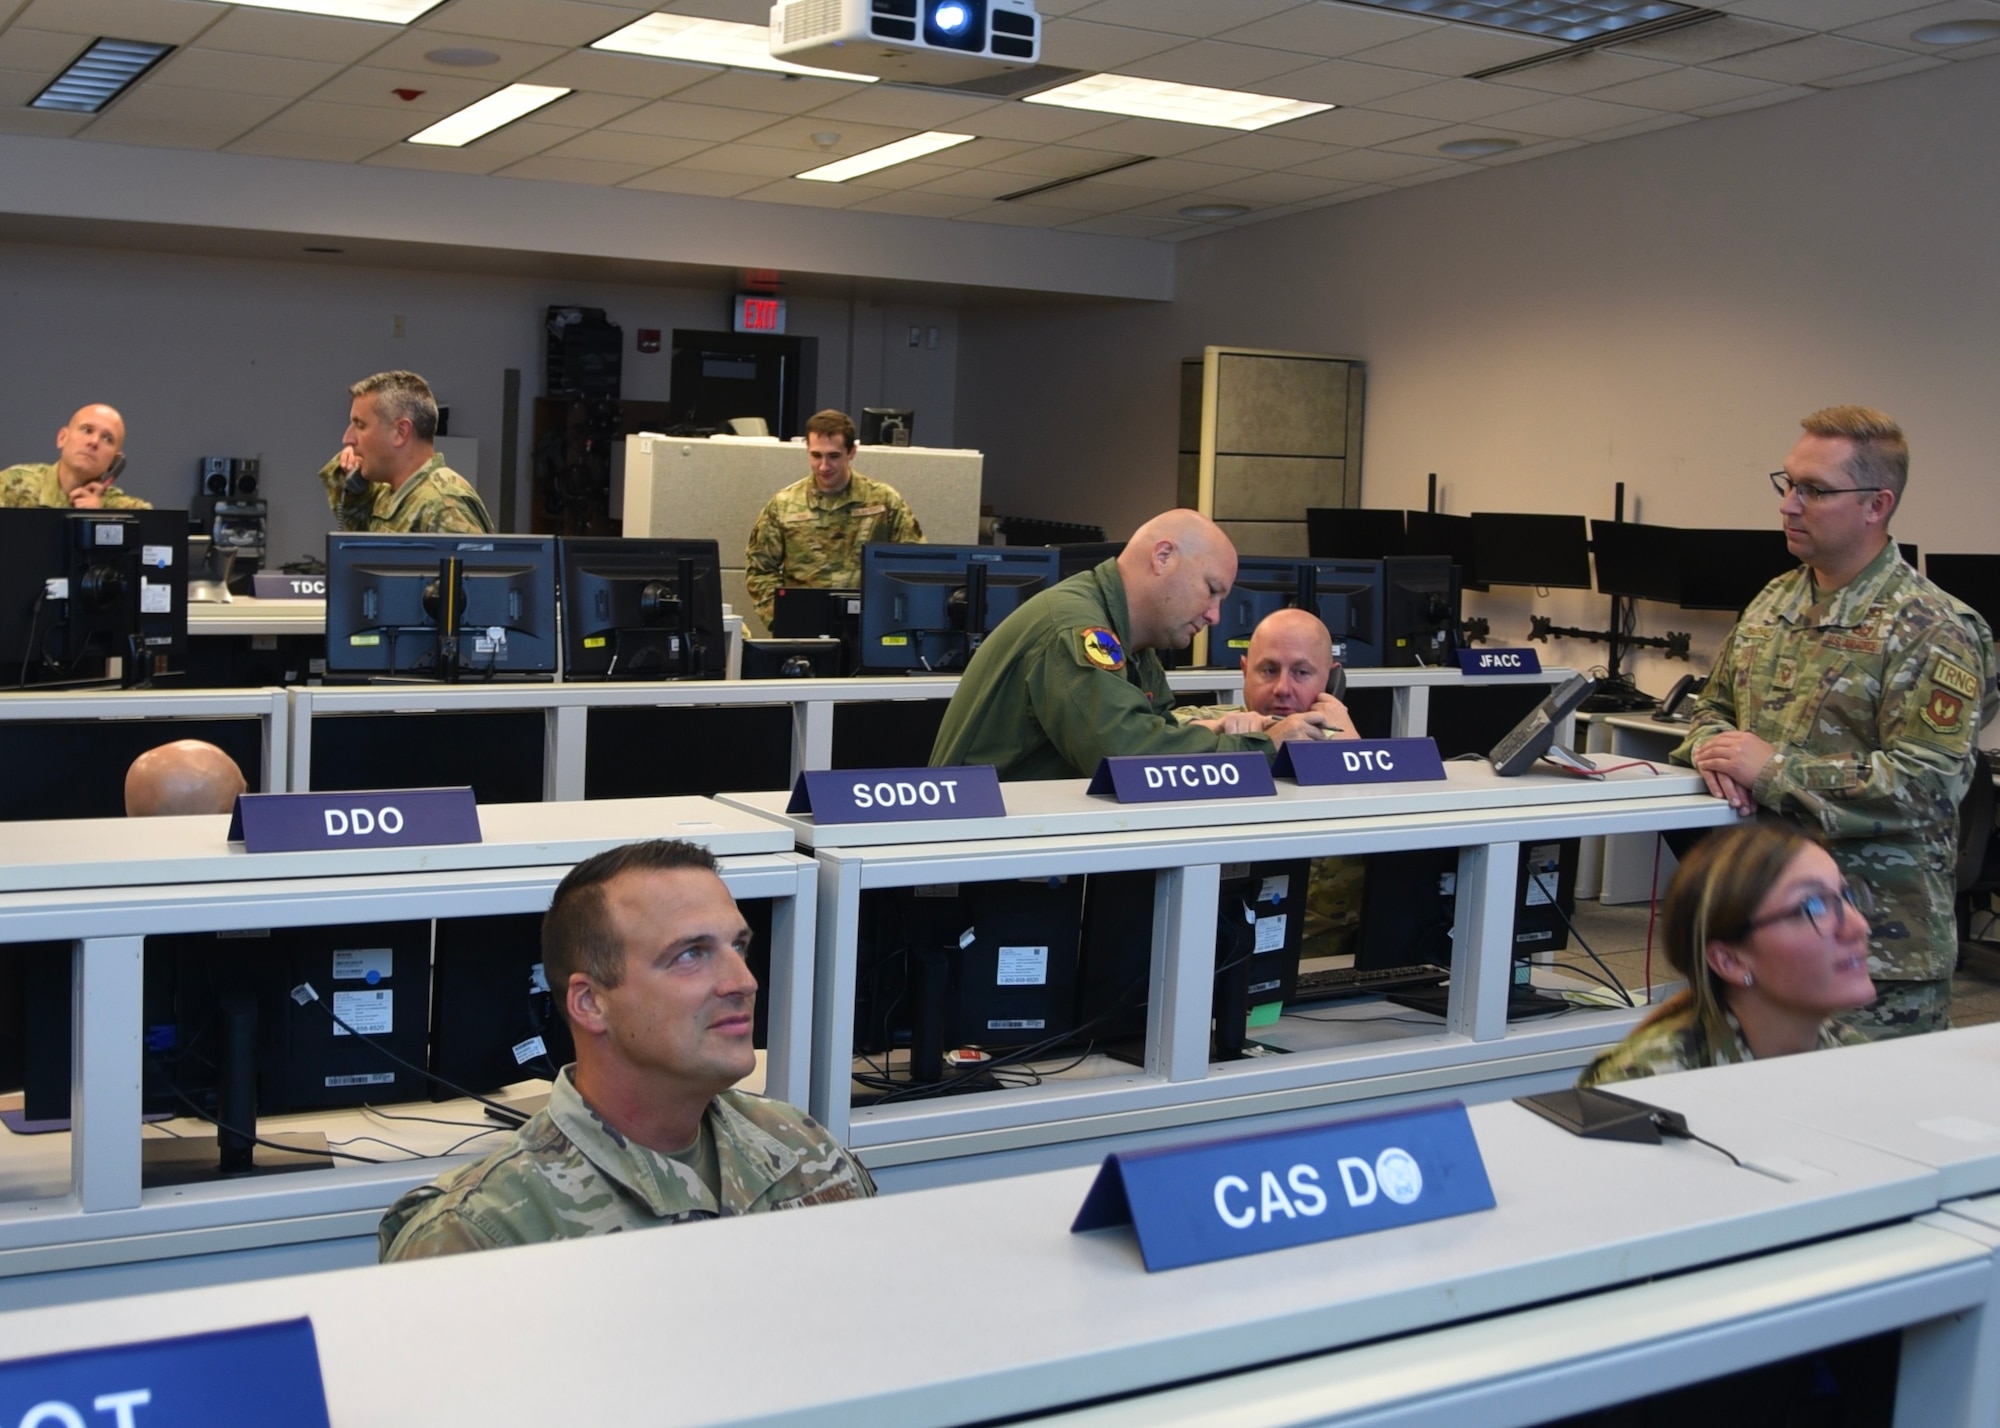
point(642, 608)
point(1350, 533)
point(793, 659)
point(1975, 579)
point(1078, 556)
point(1724, 569)
point(1512, 548)
point(1428, 533)
point(1420, 609)
point(78, 588)
point(494, 1020)
point(1637, 561)
point(1345, 594)
point(928, 607)
point(886, 426)
point(390, 612)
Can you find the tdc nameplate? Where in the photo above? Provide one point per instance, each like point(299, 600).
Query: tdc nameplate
point(1171, 778)
point(266, 1376)
point(1360, 761)
point(397, 818)
point(1195, 1203)
point(898, 795)
point(1499, 662)
point(276, 585)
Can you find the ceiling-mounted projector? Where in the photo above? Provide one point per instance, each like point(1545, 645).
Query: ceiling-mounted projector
point(915, 41)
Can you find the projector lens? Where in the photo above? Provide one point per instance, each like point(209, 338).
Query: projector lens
point(951, 17)
point(955, 24)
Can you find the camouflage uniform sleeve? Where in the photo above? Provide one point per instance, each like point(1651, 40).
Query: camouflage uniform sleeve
point(452, 515)
point(418, 1227)
point(350, 509)
point(1671, 1041)
point(1715, 709)
point(1188, 713)
point(114, 499)
point(1089, 712)
point(904, 530)
point(1925, 729)
point(17, 487)
point(764, 562)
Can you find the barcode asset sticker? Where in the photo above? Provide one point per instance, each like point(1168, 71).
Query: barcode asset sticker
point(370, 1013)
point(1022, 967)
point(529, 1050)
point(363, 1078)
point(1271, 932)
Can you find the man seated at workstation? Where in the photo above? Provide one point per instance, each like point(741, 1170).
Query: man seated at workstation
point(184, 777)
point(1286, 670)
point(1072, 676)
point(643, 947)
point(90, 452)
point(388, 475)
point(1847, 700)
point(810, 534)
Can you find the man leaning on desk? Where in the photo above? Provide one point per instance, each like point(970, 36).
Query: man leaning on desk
point(388, 476)
point(810, 534)
point(90, 452)
point(1847, 699)
point(643, 947)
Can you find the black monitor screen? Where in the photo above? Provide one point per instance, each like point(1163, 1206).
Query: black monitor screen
point(929, 606)
point(1420, 610)
point(1975, 579)
point(1428, 533)
point(1345, 594)
point(1724, 569)
point(384, 602)
point(1347, 533)
point(1078, 557)
point(642, 609)
point(1517, 549)
point(80, 587)
point(1642, 562)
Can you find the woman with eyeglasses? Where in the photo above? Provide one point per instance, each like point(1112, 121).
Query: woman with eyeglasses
point(1772, 941)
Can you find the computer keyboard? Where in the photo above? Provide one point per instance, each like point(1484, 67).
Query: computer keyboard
point(1338, 982)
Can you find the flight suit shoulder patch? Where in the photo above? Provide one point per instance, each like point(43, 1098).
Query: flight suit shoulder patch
point(1101, 648)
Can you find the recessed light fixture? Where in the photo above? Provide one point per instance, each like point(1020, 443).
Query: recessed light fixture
point(99, 75)
point(481, 118)
point(1215, 210)
point(389, 12)
point(699, 41)
point(461, 57)
point(889, 155)
point(1958, 32)
point(1478, 148)
point(1568, 20)
point(1177, 103)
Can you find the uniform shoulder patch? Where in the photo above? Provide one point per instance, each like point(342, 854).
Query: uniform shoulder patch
point(1943, 712)
point(1101, 648)
point(1959, 680)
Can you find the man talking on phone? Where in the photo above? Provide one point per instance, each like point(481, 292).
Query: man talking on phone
point(90, 452)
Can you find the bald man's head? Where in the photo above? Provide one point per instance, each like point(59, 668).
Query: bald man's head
point(1286, 668)
point(186, 776)
point(1176, 569)
point(86, 447)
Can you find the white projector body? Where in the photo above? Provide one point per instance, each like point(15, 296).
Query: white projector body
point(903, 40)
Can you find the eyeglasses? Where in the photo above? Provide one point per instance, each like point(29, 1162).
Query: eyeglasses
point(1821, 903)
point(1784, 485)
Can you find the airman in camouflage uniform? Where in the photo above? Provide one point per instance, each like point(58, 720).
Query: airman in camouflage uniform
point(1679, 1038)
point(435, 500)
point(398, 481)
point(39, 484)
point(1861, 702)
point(810, 534)
point(89, 456)
point(568, 1173)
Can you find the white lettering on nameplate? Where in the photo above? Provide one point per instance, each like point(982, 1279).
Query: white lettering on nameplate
point(1192, 776)
point(360, 822)
point(928, 793)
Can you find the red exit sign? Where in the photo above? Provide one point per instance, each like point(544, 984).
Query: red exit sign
point(759, 314)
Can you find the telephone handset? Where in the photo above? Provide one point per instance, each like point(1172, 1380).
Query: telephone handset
point(1669, 710)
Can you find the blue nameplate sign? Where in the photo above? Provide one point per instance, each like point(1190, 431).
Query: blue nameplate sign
point(1170, 778)
point(276, 585)
point(1314, 762)
point(1222, 1198)
point(266, 1376)
point(397, 818)
point(1499, 662)
point(898, 795)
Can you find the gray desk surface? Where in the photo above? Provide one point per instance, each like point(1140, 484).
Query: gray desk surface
point(1061, 807)
point(987, 1304)
point(1931, 1099)
point(128, 852)
point(1984, 1211)
point(246, 616)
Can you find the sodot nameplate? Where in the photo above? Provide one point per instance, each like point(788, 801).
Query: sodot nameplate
point(1172, 778)
point(264, 1376)
point(395, 818)
point(1312, 763)
point(1222, 1198)
point(1499, 662)
point(898, 795)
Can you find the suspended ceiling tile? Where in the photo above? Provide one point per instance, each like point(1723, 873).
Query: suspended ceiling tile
point(1909, 64)
point(376, 88)
point(190, 108)
point(1899, 29)
point(1428, 145)
point(1077, 44)
point(1331, 30)
point(1589, 69)
point(548, 22)
point(1126, 225)
point(1358, 128)
point(515, 58)
point(1572, 117)
point(41, 123)
point(982, 184)
point(1182, 17)
point(1179, 175)
point(164, 22)
point(919, 205)
point(327, 148)
point(694, 181)
point(314, 37)
point(1457, 50)
point(1053, 161)
point(435, 160)
point(1531, 151)
point(907, 108)
point(1033, 123)
point(602, 73)
point(1644, 126)
point(602, 172)
point(1459, 99)
point(1157, 137)
point(1710, 40)
point(1683, 91)
point(1821, 14)
point(1374, 166)
point(1278, 188)
point(1262, 151)
point(743, 12)
point(748, 159)
point(1020, 215)
point(1778, 95)
point(804, 194)
point(767, 93)
point(797, 134)
point(242, 74)
point(980, 151)
point(1348, 82)
point(313, 116)
point(586, 111)
point(1809, 60)
point(1217, 65)
point(1097, 198)
point(44, 52)
point(690, 121)
point(605, 146)
point(914, 175)
point(159, 133)
point(18, 86)
point(1453, 170)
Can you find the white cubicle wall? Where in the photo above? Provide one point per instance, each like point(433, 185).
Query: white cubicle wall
point(271, 708)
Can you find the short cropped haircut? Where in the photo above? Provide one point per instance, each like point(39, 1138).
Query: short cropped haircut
point(577, 931)
point(402, 394)
point(1881, 455)
point(833, 423)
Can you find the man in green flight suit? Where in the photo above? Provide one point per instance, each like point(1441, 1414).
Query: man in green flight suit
point(1848, 698)
point(89, 455)
point(388, 476)
point(1072, 676)
point(643, 950)
point(810, 534)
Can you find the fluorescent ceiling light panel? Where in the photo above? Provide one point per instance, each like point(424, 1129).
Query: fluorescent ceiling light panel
point(699, 41)
point(481, 118)
point(900, 152)
point(1568, 20)
point(99, 75)
point(389, 12)
point(1177, 103)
